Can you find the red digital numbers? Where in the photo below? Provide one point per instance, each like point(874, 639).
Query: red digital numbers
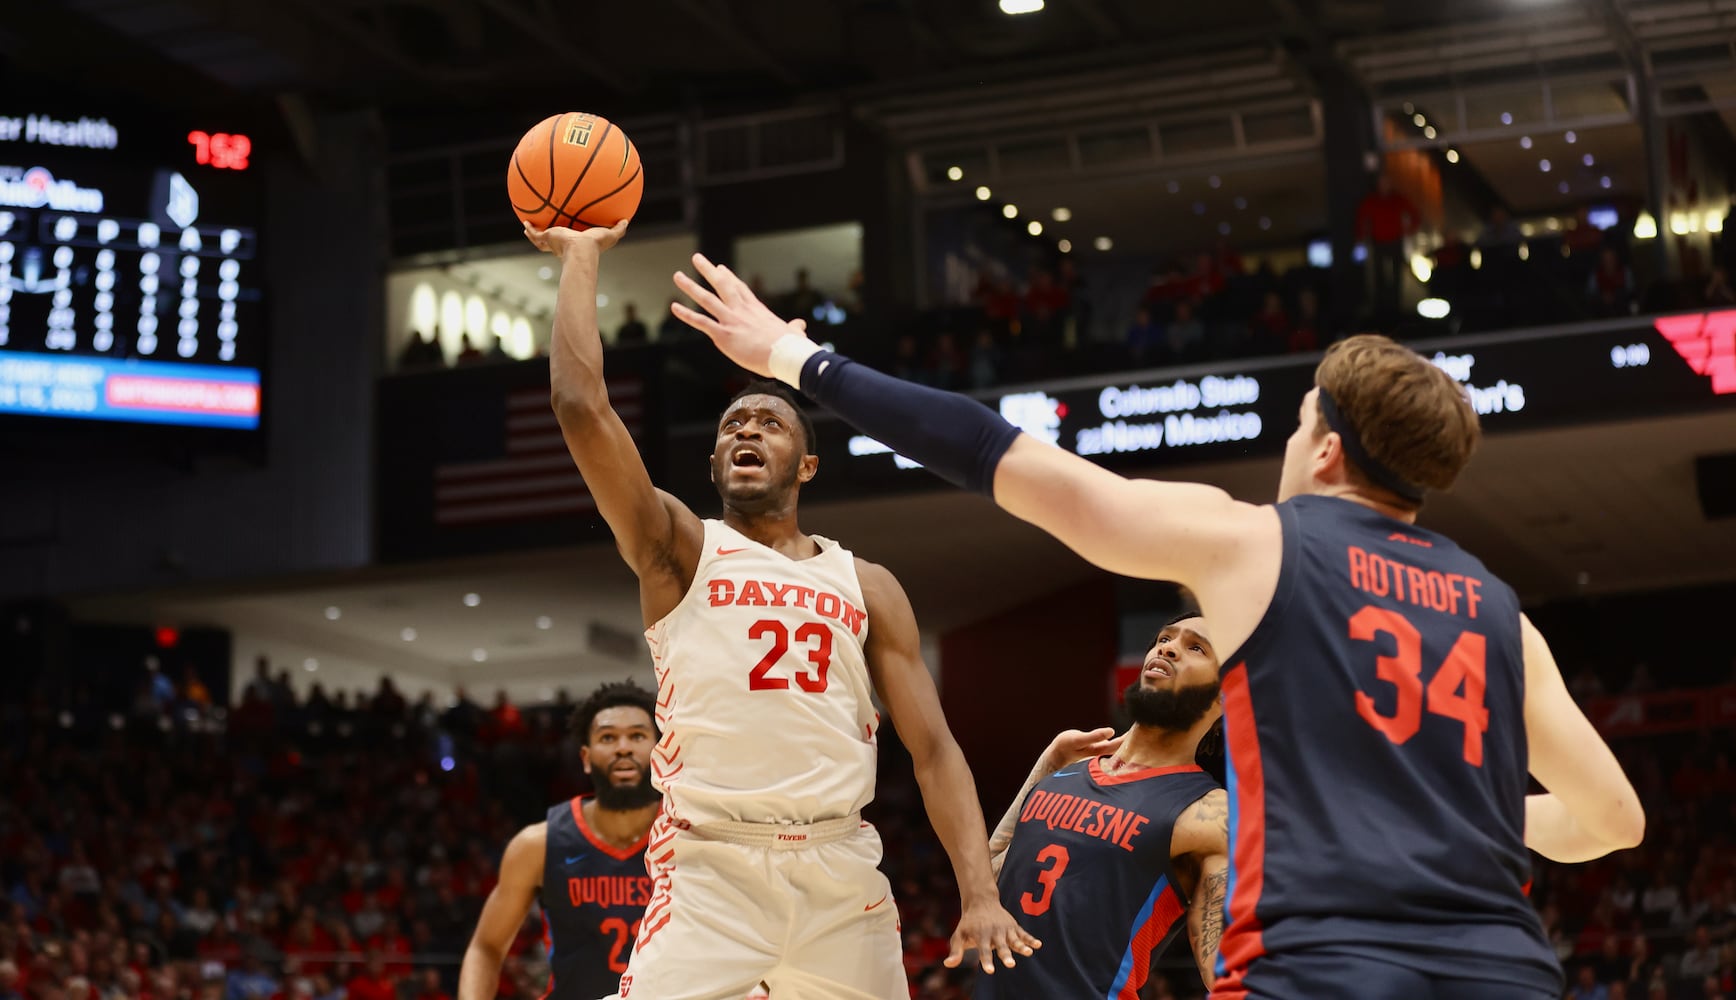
point(819, 654)
point(1037, 905)
point(1465, 668)
point(222, 150)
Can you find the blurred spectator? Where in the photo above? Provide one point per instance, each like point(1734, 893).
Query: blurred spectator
point(1272, 329)
point(1187, 335)
point(1586, 986)
point(1145, 339)
point(671, 330)
point(804, 299)
point(1384, 220)
point(633, 331)
point(1717, 290)
point(467, 352)
point(946, 363)
point(421, 353)
point(497, 353)
point(985, 360)
point(1306, 334)
point(1612, 285)
point(1701, 960)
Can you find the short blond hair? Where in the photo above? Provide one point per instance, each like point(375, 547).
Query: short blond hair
point(1410, 415)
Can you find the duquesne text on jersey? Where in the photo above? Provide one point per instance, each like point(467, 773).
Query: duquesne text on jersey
point(1383, 575)
point(770, 594)
point(609, 890)
point(1061, 811)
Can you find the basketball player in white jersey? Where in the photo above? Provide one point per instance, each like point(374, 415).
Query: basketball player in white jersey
point(769, 646)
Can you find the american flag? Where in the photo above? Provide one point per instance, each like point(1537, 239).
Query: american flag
point(535, 476)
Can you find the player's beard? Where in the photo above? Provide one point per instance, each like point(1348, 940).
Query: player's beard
point(1175, 710)
point(622, 798)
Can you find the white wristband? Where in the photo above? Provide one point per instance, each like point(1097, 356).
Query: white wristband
point(789, 354)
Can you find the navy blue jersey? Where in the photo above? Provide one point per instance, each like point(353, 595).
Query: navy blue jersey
point(1088, 874)
point(1377, 759)
point(592, 898)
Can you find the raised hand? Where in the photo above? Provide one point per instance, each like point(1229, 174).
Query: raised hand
point(558, 239)
point(741, 326)
point(1075, 745)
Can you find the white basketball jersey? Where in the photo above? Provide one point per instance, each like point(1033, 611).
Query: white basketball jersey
point(763, 693)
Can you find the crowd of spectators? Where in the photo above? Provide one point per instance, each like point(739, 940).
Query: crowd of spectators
point(338, 847)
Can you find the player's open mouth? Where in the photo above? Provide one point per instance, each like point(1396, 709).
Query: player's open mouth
point(747, 458)
point(1159, 668)
point(625, 767)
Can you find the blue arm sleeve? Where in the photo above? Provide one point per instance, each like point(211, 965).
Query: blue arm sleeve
point(957, 438)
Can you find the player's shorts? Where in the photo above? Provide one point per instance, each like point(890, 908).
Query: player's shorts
point(1322, 976)
point(803, 909)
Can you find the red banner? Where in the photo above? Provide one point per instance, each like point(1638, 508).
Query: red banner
point(1666, 712)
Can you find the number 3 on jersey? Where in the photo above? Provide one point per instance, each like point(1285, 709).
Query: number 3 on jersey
point(1465, 667)
point(819, 656)
point(1037, 904)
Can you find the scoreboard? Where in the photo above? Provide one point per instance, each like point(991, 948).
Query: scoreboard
point(130, 272)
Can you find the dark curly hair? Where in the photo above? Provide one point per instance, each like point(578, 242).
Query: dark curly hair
point(614, 694)
point(771, 387)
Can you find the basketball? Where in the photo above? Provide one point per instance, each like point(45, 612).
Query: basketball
point(574, 170)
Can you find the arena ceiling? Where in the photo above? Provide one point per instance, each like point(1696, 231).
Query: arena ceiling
point(453, 54)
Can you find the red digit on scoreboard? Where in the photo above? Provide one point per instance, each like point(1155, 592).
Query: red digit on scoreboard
point(222, 150)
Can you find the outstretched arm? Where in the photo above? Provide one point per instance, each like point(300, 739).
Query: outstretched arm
point(948, 790)
point(1141, 528)
point(1064, 749)
point(656, 533)
point(1590, 809)
point(1202, 835)
point(521, 871)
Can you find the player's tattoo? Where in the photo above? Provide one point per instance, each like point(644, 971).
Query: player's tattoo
point(1213, 812)
point(1206, 919)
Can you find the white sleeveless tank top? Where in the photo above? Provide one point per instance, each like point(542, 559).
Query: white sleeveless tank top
point(763, 693)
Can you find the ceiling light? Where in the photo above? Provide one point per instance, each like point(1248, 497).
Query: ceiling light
point(1524, 142)
point(1714, 221)
point(1062, 214)
point(1241, 202)
point(1265, 223)
point(310, 664)
point(1021, 6)
point(1199, 208)
point(1034, 227)
point(333, 613)
point(1174, 187)
point(602, 301)
point(1588, 160)
point(1010, 210)
point(1418, 120)
point(1563, 188)
point(1065, 246)
point(545, 623)
point(472, 600)
point(1421, 267)
point(1434, 308)
point(1215, 181)
point(1409, 107)
point(955, 173)
point(1429, 132)
point(545, 273)
point(408, 635)
point(1506, 118)
point(1476, 259)
point(479, 655)
point(1524, 251)
point(983, 193)
point(1543, 165)
point(1223, 229)
point(1645, 227)
point(1604, 182)
point(1571, 137)
point(1452, 156)
point(1103, 243)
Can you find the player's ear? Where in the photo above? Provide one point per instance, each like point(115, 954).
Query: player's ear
point(810, 465)
point(1329, 457)
point(585, 759)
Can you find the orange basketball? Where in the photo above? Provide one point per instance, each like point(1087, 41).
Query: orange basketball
point(575, 170)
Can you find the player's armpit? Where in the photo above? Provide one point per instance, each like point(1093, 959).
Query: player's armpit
point(521, 872)
point(1135, 527)
point(1572, 761)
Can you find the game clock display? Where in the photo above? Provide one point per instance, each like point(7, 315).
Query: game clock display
point(130, 278)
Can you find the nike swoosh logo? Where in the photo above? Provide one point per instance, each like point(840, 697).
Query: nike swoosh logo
point(575, 859)
point(1062, 774)
point(730, 552)
point(883, 899)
